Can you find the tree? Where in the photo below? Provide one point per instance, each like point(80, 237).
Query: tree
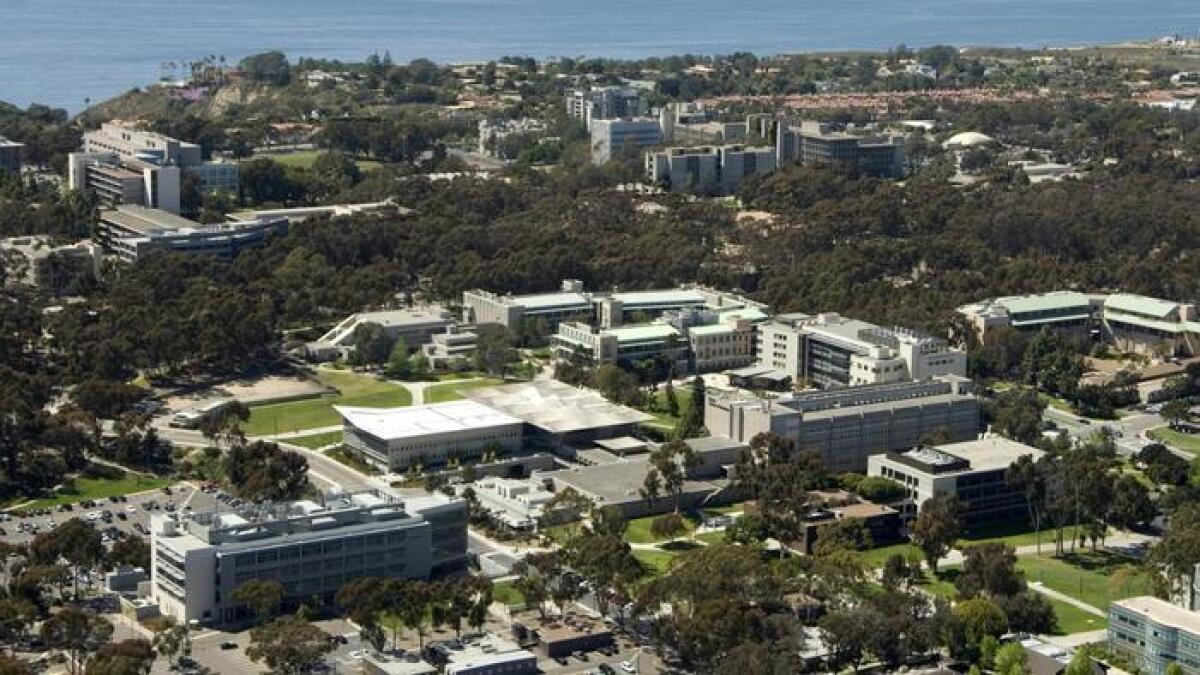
point(1012, 660)
point(493, 350)
point(1175, 556)
point(399, 366)
point(1131, 505)
point(989, 570)
point(879, 489)
point(1081, 664)
point(607, 562)
point(848, 534)
point(173, 643)
point(692, 423)
point(671, 399)
point(128, 657)
point(937, 527)
point(1029, 612)
point(263, 597)
point(1017, 414)
point(261, 471)
point(270, 67)
point(980, 617)
point(132, 551)
point(226, 422)
point(289, 645)
point(1175, 411)
point(1030, 475)
point(75, 541)
point(668, 526)
point(77, 632)
point(846, 636)
point(371, 343)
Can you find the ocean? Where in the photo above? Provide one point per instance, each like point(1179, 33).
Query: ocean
point(68, 52)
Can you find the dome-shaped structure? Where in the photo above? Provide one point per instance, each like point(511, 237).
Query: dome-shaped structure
point(967, 139)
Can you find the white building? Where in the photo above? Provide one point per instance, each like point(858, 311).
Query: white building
point(604, 103)
point(611, 138)
point(415, 325)
point(130, 231)
point(311, 548)
point(516, 505)
point(396, 438)
point(716, 170)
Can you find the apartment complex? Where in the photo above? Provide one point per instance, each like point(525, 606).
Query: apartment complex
point(129, 232)
point(614, 137)
point(708, 169)
point(604, 103)
point(310, 547)
point(123, 164)
point(818, 143)
point(397, 438)
point(848, 425)
point(974, 471)
point(415, 325)
point(1134, 323)
point(1153, 634)
point(10, 156)
point(829, 350)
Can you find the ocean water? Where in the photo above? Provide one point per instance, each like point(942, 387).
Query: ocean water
point(65, 52)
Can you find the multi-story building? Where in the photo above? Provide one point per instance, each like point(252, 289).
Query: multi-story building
point(817, 143)
point(10, 156)
point(707, 169)
point(829, 350)
point(626, 344)
point(718, 338)
point(1061, 310)
point(397, 438)
point(492, 134)
point(847, 425)
point(604, 103)
point(416, 326)
point(129, 232)
point(445, 349)
point(512, 311)
point(614, 137)
point(127, 165)
point(974, 471)
point(310, 547)
point(52, 266)
point(517, 505)
point(1153, 634)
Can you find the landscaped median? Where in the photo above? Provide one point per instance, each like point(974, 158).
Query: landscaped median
point(99, 485)
point(354, 389)
point(1176, 439)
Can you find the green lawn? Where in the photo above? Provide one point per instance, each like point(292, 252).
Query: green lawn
point(355, 389)
point(506, 593)
point(1090, 577)
point(1071, 619)
point(1176, 439)
point(450, 391)
point(1015, 535)
point(317, 440)
point(715, 537)
point(304, 159)
point(877, 556)
point(663, 420)
point(100, 488)
point(656, 562)
point(559, 534)
point(352, 461)
point(639, 530)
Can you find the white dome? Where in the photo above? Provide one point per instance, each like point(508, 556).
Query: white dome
point(968, 139)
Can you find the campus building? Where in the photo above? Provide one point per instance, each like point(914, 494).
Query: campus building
point(626, 344)
point(604, 103)
point(415, 325)
point(1154, 633)
point(612, 137)
point(129, 232)
point(829, 350)
point(123, 164)
point(310, 547)
point(818, 143)
point(973, 471)
point(513, 311)
point(50, 265)
point(396, 438)
point(849, 424)
point(717, 170)
point(1060, 310)
point(10, 156)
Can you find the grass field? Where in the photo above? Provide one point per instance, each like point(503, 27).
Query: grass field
point(639, 530)
point(1015, 535)
point(356, 389)
point(1089, 577)
point(1186, 442)
point(506, 593)
point(1071, 619)
point(317, 440)
point(304, 159)
point(100, 488)
point(559, 534)
point(440, 393)
point(663, 420)
point(656, 562)
point(877, 556)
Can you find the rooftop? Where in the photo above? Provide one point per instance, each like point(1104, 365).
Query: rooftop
point(1140, 304)
point(148, 222)
point(985, 454)
point(643, 332)
point(413, 421)
point(556, 407)
point(634, 299)
point(1163, 612)
point(1020, 304)
point(616, 482)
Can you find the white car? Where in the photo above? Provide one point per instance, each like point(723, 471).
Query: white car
point(131, 509)
point(94, 515)
point(627, 666)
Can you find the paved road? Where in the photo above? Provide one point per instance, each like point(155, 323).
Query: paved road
point(1077, 639)
point(1130, 431)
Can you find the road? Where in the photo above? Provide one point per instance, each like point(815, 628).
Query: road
point(1131, 430)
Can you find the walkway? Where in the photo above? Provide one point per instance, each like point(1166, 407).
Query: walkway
point(1063, 597)
point(1075, 640)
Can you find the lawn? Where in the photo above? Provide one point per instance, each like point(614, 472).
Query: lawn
point(100, 488)
point(877, 556)
point(1176, 439)
point(317, 440)
point(304, 159)
point(638, 531)
point(450, 391)
point(655, 562)
point(1089, 577)
point(1071, 619)
point(663, 420)
point(559, 534)
point(1015, 535)
point(508, 594)
point(312, 413)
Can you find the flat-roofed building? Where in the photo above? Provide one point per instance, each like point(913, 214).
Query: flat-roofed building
point(604, 103)
point(517, 505)
point(453, 346)
point(57, 268)
point(1060, 310)
point(974, 471)
point(612, 138)
point(300, 214)
point(1153, 634)
point(486, 655)
point(512, 311)
point(819, 143)
point(715, 170)
point(848, 425)
point(396, 438)
point(129, 231)
point(626, 344)
point(415, 325)
point(829, 350)
point(310, 547)
point(11, 156)
point(1146, 325)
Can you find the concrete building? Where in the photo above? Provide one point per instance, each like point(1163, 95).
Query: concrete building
point(626, 344)
point(1153, 634)
point(375, 663)
point(300, 214)
point(715, 170)
point(604, 103)
point(832, 506)
point(487, 655)
point(829, 350)
point(492, 134)
point(127, 165)
point(48, 264)
point(454, 346)
point(516, 505)
point(718, 339)
point(1062, 310)
point(396, 438)
point(848, 425)
point(972, 470)
point(10, 156)
point(548, 309)
point(415, 325)
point(818, 143)
point(130, 231)
point(613, 138)
point(310, 547)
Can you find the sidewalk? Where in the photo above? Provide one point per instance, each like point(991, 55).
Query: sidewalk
point(1063, 597)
